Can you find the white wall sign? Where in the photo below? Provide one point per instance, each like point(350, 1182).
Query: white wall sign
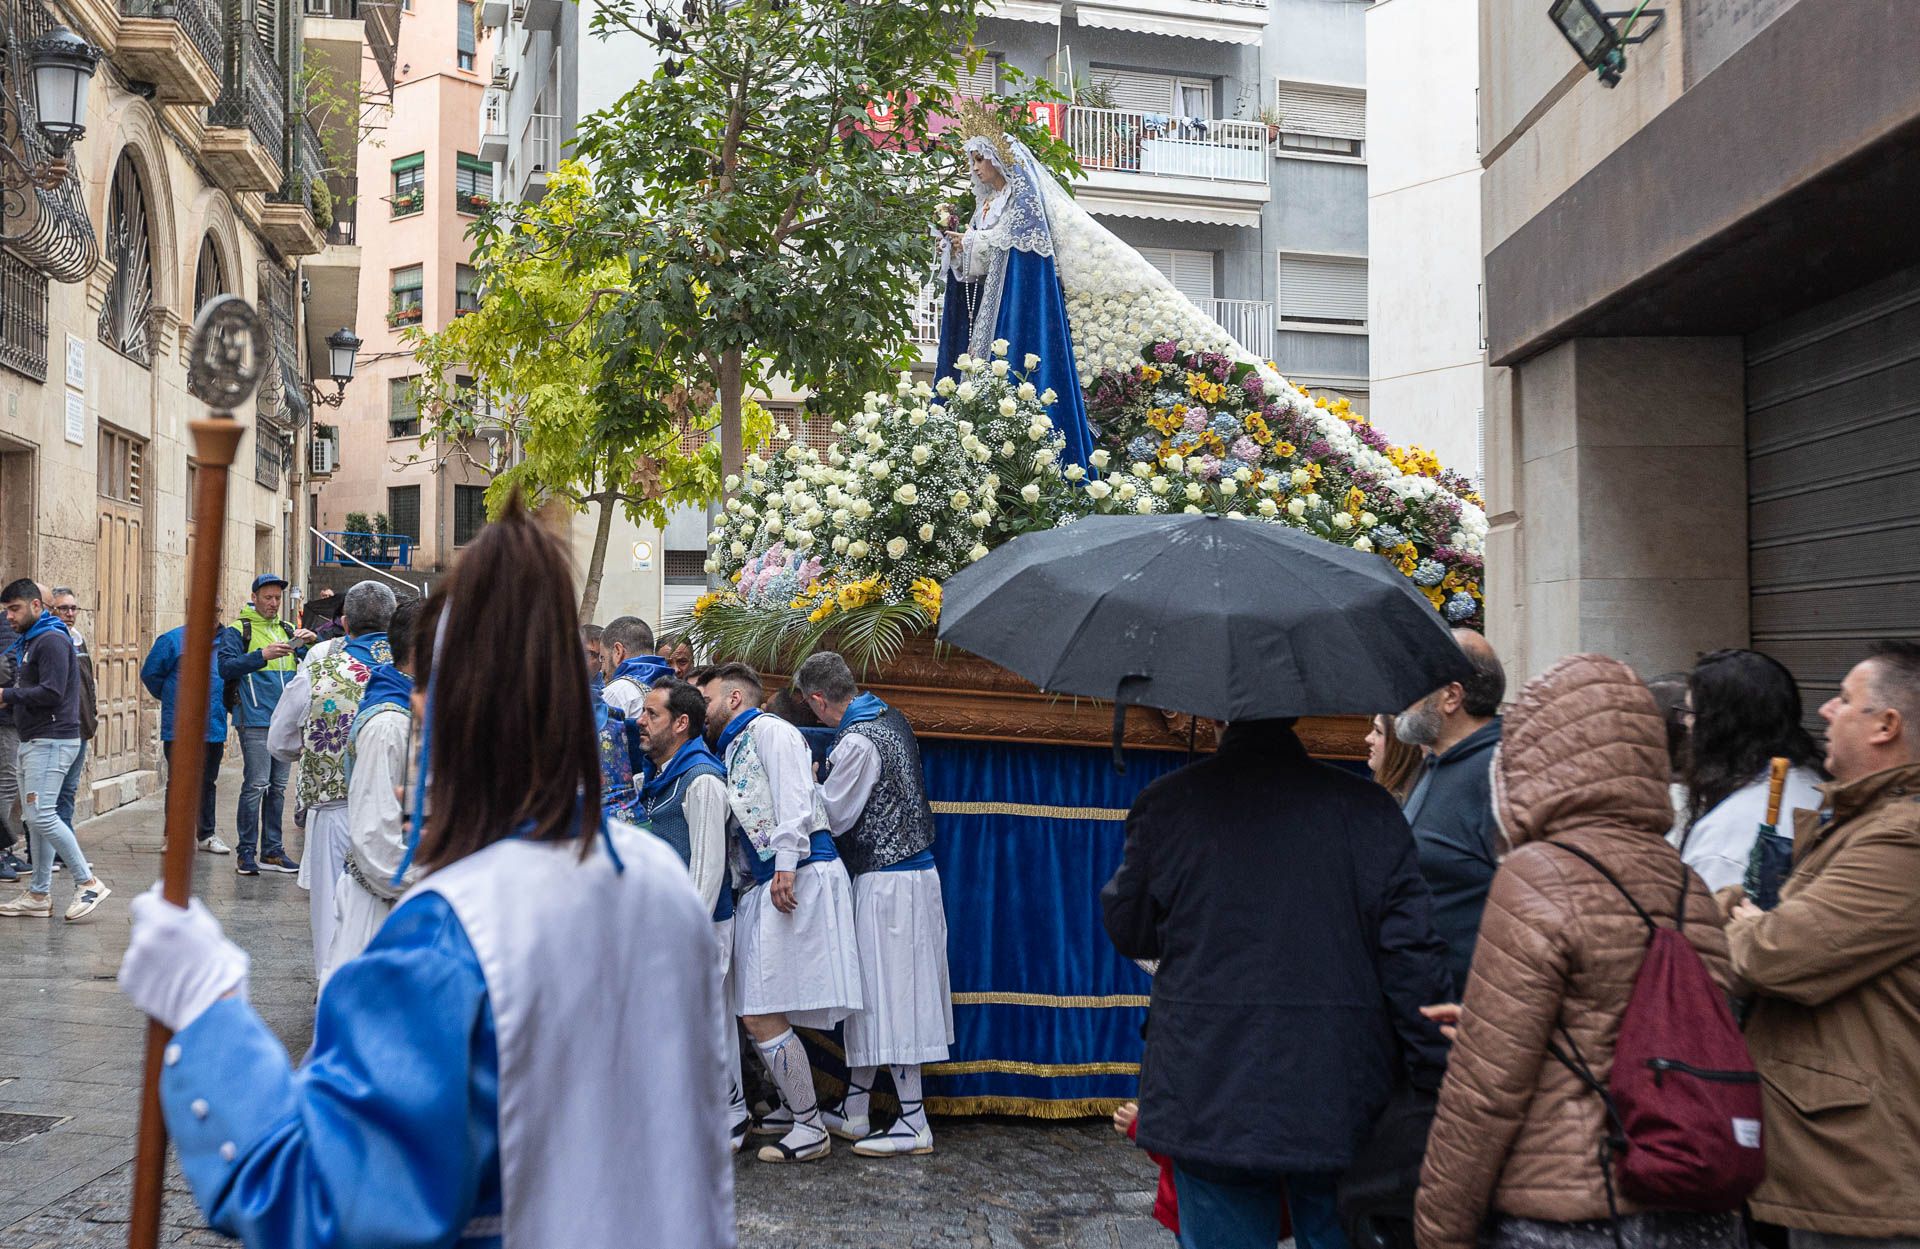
point(642, 555)
point(76, 418)
point(76, 362)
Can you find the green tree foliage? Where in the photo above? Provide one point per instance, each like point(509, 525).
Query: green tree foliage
point(533, 353)
point(770, 190)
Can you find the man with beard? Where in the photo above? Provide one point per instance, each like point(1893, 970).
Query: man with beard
point(683, 795)
point(794, 961)
point(1451, 806)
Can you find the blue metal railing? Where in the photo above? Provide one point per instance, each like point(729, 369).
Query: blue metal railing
point(379, 550)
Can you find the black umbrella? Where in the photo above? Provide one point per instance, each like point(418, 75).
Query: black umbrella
point(1230, 619)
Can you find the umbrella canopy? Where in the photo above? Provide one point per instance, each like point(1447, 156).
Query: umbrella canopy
point(1230, 619)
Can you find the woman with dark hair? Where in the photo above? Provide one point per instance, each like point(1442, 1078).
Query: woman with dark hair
point(1670, 695)
point(525, 1054)
point(1745, 712)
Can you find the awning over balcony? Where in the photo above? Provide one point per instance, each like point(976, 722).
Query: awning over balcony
point(1046, 12)
point(1219, 23)
point(1168, 210)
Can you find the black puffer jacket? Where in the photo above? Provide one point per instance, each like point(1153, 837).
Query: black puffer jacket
point(1283, 901)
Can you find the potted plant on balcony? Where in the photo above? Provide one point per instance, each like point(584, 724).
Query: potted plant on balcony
point(1273, 119)
point(322, 204)
point(406, 203)
point(400, 312)
point(472, 202)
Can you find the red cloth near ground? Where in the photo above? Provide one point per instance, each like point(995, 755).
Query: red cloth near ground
point(1166, 1201)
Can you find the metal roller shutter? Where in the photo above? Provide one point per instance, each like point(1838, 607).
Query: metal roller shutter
point(1190, 272)
point(983, 81)
point(1330, 290)
point(1329, 111)
point(1833, 482)
point(1141, 93)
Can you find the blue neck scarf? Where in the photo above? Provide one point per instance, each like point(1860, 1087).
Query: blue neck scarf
point(47, 623)
point(387, 686)
point(861, 710)
point(369, 648)
point(692, 753)
point(643, 670)
point(734, 729)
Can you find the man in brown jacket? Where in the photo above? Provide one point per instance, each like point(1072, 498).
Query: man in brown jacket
point(1835, 1030)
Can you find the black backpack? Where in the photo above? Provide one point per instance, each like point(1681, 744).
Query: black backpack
point(230, 692)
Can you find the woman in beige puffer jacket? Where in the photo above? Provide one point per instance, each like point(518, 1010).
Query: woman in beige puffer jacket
point(1513, 1160)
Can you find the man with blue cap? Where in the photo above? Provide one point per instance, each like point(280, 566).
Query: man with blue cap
point(258, 654)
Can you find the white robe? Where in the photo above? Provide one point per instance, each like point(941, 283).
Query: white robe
point(376, 833)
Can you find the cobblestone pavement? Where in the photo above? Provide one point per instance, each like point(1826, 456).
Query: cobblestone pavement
point(70, 1049)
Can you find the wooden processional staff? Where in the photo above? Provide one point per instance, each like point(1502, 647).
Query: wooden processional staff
point(229, 357)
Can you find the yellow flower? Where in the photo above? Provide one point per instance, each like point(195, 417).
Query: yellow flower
point(1285, 450)
point(712, 598)
point(1258, 431)
point(1435, 595)
point(1150, 374)
point(860, 593)
point(1356, 501)
point(926, 593)
point(825, 609)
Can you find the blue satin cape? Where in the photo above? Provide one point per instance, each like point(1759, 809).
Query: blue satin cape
point(1033, 319)
point(388, 1133)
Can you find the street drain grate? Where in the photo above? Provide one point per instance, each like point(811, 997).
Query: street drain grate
point(15, 1128)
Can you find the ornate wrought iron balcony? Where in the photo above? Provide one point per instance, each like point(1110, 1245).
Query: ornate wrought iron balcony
point(253, 92)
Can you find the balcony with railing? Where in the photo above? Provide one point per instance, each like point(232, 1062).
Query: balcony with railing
point(1147, 164)
point(177, 45)
point(539, 154)
point(1240, 22)
point(246, 133)
point(289, 219)
point(926, 315)
point(343, 191)
point(1250, 321)
point(351, 548)
point(493, 125)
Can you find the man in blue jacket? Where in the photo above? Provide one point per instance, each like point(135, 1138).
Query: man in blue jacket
point(161, 675)
point(256, 656)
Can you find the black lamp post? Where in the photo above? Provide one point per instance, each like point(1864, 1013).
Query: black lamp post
point(342, 346)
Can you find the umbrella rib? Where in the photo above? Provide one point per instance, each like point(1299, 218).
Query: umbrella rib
point(1087, 617)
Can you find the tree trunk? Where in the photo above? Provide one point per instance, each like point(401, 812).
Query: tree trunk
point(733, 456)
point(597, 562)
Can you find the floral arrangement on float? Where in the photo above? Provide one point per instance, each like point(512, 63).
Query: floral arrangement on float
point(853, 544)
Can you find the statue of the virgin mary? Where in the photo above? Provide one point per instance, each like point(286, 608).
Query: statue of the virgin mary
point(1001, 280)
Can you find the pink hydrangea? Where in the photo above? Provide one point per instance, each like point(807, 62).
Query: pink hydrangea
point(1245, 448)
point(1210, 468)
point(1196, 419)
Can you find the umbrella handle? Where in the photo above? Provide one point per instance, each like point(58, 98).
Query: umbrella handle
point(1776, 782)
point(1120, 718)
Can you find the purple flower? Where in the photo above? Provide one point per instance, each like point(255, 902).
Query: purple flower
point(1318, 449)
point(1210, 468)
point(1165, 352)
point(1255, 388)
point(1196, 419)
point(1244, 448)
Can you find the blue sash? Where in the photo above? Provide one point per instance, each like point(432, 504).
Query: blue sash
point(822, 851)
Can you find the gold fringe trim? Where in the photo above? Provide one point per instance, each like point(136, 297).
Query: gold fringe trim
point(1049, 999)
point(1028, 1107)
point(1009, 1066)
point(1113, 814)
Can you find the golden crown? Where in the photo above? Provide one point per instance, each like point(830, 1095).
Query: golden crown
point(976, 119)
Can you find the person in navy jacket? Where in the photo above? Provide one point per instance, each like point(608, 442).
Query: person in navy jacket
point(161, 675)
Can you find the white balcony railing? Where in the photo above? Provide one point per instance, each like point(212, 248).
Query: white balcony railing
point(926, 315)
point(1250, 321)
point(1126, 141)
point(493, 124)
point(539, 152)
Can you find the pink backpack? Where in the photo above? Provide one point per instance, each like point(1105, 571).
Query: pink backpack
point(1683, 1099)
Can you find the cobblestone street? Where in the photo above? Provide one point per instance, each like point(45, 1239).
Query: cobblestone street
point(70, 1049)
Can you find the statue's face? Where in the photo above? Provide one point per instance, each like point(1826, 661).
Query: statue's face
point(984, 170)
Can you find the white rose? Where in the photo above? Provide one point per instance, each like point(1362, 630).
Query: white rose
point(1100, 459)
point(1267, 507)
point(946, 387)
point(1296, 508)
point(896, 547)
point(840, 544)
point(1075, 473)
point(978, 553)
point(841, 517)
point(1008, 407)
point(922, 391)
point(922, 453)
point(917, 419)
point(1194, 492)
point(1048, 397)
point(969, 443)
point(992, 484)
point(733, 506)
point(908, 494)
point(1236, 515)
point(880, 469)
point(1038, 431)
point(1313, 501)
point(1030, 492)
point(1192, 509)
point(1229, 487)
point(1000, 346)
point(1243, 475)
point(981, 453)
point(711, 566)
point(1144, 506)
point(1302, 477)
point(960, 501)
point(862, 508)
point(980, 520)
point(966, 392)
point(926, 533)
point(1043, 458)
point(857, 550)
point(1126, 491)
point(774, 523)
point(1363, 543)
point(1342, 521)
point(1027, 392)
point(1173, 463)
point(1099, 489)
point(737, 549)
point(1007, 447)
point(1158, 485)
point(733, 481)
point(1367, 521)
point(1141, 469)
point(1032, 362)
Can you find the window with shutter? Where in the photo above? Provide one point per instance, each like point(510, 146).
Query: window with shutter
point(1137, 92)
point(1328, 121)
point(266, 24)
point(403, 511)
point(463, 35)
point(469, 513)
point(983, 81)
point(1323, 290)
point(1190, 272)
point(403, 408)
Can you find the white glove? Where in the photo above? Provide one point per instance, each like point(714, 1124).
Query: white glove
point(178, 962)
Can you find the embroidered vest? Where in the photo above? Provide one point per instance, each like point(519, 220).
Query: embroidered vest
point(667, 815)
point(338, 682)
point(897, 822)
point(617, 796)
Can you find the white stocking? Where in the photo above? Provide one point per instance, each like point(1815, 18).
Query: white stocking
point(786, 1060)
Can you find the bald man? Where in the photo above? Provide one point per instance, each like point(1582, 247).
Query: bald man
point(1451, 808)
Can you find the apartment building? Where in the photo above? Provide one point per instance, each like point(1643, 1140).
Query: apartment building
point(1703, 321)
point(385, 503)
point(202, 171)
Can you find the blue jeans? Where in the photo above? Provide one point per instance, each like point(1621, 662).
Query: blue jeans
point(43, 769)
point(263, 794)
point(70, 788)
point(1241, 1210)
point(11, 829)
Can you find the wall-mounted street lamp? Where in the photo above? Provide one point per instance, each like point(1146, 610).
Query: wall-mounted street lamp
point(1601, 44)
point(342, 346)
point(60, 65)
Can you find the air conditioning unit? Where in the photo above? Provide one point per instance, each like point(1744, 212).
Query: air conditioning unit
point(326, 456)
point(500, 75)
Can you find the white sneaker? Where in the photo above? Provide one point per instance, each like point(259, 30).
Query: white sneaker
point(213, 845)
point(844, 1128)
point(897, 1140)
point(86, 898)
point(28, 905)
